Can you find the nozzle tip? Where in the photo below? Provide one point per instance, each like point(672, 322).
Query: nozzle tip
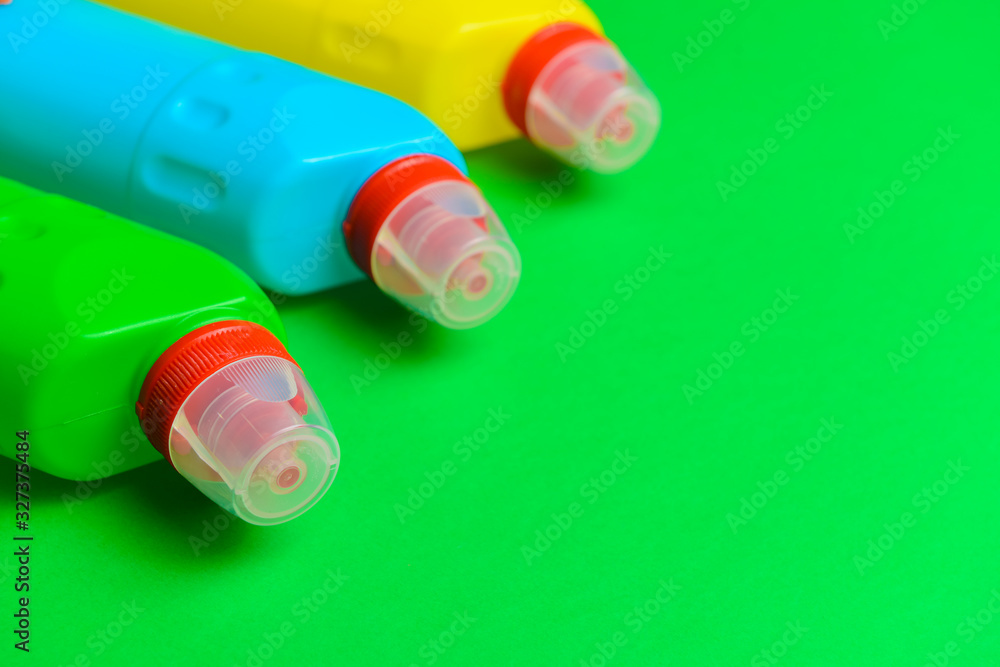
point(574, 94)
point(233, 413)
point(435, 245)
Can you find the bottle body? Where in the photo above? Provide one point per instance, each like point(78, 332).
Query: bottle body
point(448, 58)
point(92, 301)
point(253, 157)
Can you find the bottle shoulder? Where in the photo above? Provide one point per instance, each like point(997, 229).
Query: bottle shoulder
point(64, 262)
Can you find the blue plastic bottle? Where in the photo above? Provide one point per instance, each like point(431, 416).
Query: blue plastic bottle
point(289, 173)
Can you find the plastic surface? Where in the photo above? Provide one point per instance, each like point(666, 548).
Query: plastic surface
point(589, 107)
point(447, 58)
point(90, 301)
point(253, 157)
point(434, 243)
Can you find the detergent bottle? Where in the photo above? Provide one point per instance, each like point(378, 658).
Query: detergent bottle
point(122, 343)
point(484, 71)
point(304, 181)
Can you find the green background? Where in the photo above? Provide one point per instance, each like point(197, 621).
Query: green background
point(667, 518)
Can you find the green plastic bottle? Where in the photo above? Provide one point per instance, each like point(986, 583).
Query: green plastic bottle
point(117, 337)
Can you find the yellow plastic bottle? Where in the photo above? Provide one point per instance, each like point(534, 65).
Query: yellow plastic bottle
point(485, 72)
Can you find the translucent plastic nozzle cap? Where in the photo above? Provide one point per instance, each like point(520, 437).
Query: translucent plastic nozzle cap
point(574, 94)
point(433, 243)
point(236, 417)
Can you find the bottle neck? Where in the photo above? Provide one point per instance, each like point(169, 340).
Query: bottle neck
point(383, 192)
point(426, 236)
point(532, 59)
point(189, 361)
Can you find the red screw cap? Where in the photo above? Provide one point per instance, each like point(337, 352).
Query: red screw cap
point(534, 57)
point(573, 93)
point(383, 193)
point(427, 237)
point(191, 360)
